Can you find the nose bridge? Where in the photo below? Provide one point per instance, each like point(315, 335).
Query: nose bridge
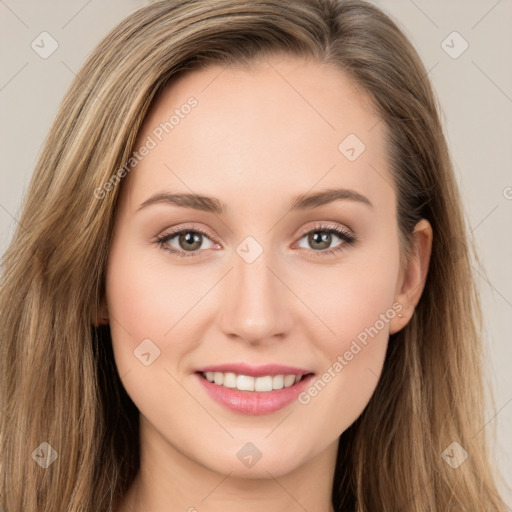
point(255, 306)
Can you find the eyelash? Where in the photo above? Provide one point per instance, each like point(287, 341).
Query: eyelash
point(347, 239)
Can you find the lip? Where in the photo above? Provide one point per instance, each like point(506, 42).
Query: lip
point(254, 403)
point(255, 371)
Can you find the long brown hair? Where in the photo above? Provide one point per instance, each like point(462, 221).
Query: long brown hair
point(59, 382)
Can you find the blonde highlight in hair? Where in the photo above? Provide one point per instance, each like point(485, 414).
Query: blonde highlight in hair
point(59, 381)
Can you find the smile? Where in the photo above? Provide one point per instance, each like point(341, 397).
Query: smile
point(248, 383)
point(253, 390)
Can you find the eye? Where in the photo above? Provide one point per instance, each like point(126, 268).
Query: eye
point(187, 241)
point(320, 239)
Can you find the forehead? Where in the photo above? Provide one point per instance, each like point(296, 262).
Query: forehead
point(280, 126)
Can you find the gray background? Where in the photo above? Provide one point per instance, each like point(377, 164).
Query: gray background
point(474, 89)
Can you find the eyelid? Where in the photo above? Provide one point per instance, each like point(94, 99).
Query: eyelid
point(322, 226)
point(345, 234)
point(185, 227)
point(166, 235)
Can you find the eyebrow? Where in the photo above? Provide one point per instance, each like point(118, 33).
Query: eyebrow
point(213, 205)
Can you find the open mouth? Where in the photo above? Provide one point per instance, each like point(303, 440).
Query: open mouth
point(265, 391)
point(264, 383)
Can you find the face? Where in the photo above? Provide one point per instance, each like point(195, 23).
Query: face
point(263, 280)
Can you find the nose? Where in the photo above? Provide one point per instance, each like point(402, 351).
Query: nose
point(256, 303)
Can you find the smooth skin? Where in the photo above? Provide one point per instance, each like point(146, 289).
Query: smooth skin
point(256, 140)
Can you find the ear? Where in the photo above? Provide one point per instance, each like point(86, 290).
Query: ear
point(412, 278)
point(102, 317)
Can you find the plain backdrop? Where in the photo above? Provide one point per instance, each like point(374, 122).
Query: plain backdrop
point(471, 71)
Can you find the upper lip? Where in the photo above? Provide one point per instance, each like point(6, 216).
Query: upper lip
point(254, 371)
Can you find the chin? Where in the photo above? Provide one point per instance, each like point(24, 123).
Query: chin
point(256, 459)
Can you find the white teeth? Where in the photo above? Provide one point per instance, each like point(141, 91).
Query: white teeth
point(278, 381)
point(263, 384)
point(289, 380)
point(248, 383)
point(245, 383)
point(229, 380)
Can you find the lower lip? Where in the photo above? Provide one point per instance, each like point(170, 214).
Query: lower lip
point(254, 402)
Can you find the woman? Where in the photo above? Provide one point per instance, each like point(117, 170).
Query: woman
point(173, 334)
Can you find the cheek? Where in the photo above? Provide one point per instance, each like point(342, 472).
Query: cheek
point(141, 308)
point(355, 301)
point(363, 305)
point(357, 310)
point(145, 298)
point(144, 305)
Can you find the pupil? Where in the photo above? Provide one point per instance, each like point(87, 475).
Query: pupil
point(322, 238)
point(191, 239)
